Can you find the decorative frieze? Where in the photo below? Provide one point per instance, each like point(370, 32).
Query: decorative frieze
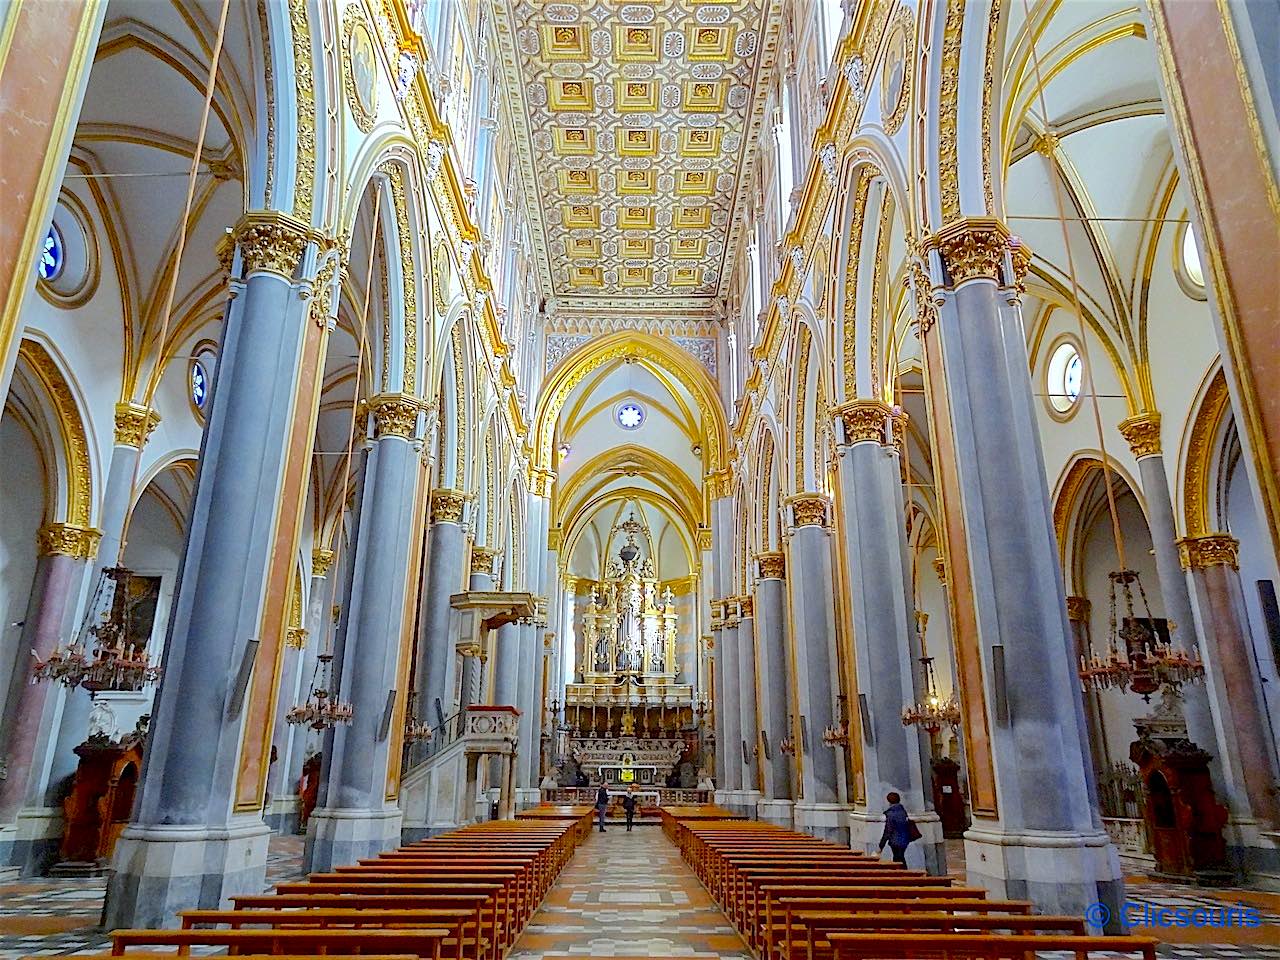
point(447, 505)
point(321, 561)
point(772, 564)
point(134, 424)
point(482, 561)
point(394, 415)
point(1211, 550)
point(809, 509)
point(1078, 609)
point(68, 540)
point(704, 539)
point(273, 242)
point(720, 483)
point(1142, 432)
point(863, 420)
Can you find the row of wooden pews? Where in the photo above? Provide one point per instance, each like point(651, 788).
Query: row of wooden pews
point(796, 897)
point(462, 895)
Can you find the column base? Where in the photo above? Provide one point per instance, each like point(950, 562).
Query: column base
point(929, 853)
point(1062, 873)
point(158, 871)
point(33, 842)
point(341, 837)
point(1253, 852)
point(527, 797)
point(747, 801)
point(829, 821)
point(283, 816)
point(778, 812)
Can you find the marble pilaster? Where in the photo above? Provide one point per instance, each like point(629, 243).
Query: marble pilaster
point(357, 820)
point(748, 721)
point(442, 578)
point(197, 836)
point(30, 831)
point(731, 722)
point(1036, 833)
point(870, 519)
point(820, 808)
point(1247, 759)
point(771, 645)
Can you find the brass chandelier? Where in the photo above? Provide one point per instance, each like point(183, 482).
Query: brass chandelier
point(106, 653)
point(933, 712)
point(322, 710)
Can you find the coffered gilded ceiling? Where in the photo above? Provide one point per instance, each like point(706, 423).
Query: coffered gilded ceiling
point(633, 121)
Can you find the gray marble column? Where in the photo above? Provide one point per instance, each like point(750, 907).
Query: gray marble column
point(1078, 610)
point(482, 565)
point(1143, 435)
point(30, 839)
point(871, 521)
point(719, 587)
point(731, 721)
point(819, 809)
point(1231, 675)
point(443, 577)
point(356, 819)
point(194, 840)
point(716, 659)
point(1045, 841)
point(771, 645)
point(133, 426)
point(527, 771)
point(748, 721)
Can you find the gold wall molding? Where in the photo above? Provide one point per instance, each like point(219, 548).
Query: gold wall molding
point(321, 561)
point(1202, 449)
point(809, 509)
point(483, 560)
point(273, 242)
point(1078, 609)
point(408, 275)
point(355, 31)
point(447, 505)
point(1210, 550)
point(68, 540)
point(304, 89)
point(949, 110)
point(71, 431)
point(704, 539)
point(772, 564)
point(394, 415)
point(1142, 433)
point(134, 424)
point(863, 420)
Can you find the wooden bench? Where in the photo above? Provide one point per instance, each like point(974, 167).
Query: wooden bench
point(946, 946)
point(810, 930)
point(424, 942)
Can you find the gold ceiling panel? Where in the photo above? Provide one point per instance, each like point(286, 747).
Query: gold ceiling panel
point(633, 121)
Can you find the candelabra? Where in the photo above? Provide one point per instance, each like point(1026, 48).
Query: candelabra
point(788, 743)
point(415, 730)
point(1136, 659)
point(837, 735)
point(106, 653)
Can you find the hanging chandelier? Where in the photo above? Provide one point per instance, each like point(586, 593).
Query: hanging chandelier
point(322, 710)
point(788, 743)
point(1136, 659)
point(837, 734)
point(415, 730)
point(933, 712)
point(106, 653)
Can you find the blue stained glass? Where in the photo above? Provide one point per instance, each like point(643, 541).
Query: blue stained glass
point(50, 264)
point(199, 384)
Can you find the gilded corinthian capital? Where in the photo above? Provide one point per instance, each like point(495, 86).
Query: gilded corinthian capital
point(809, 509)
point(863, 420)
point(974, 248)
point(134, 423)
point(1142, 433)
point(772, 564)
point(394, 415)
point(272, 242)
point(446, 505)
point(482, 561)
point(1212, 550)
point(321, 561)
point(68, 540)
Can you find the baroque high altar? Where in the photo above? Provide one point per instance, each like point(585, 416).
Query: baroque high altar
point(630, 631)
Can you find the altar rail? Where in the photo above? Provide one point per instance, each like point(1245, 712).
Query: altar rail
point(667, 796)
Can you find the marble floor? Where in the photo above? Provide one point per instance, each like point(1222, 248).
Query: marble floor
point(624, 895)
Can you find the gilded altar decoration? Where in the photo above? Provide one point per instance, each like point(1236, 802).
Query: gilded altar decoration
point(863, 420)
point(630, 628)
point(134, 424)
point(447, 505)
point(360, 69)
point(1142, 432)
point(68, 540)
point(772, 564)
point(394, 415)
point(1211, 550)
point(809, 509)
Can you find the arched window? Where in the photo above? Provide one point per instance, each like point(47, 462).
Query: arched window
point(1064, 377)
point(50, 266)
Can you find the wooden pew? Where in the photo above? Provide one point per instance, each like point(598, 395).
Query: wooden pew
point(810, 929)
point(425, 942)
point(974, 946)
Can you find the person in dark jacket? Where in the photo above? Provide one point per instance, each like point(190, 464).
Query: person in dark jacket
point(897, 829)
point(602, 804)
point(629, 805)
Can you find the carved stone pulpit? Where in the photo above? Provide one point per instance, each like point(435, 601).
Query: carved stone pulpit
point(482, 612)
point(491, 731)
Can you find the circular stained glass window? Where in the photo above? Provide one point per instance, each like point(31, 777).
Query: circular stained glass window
point(1065, 377)
point(199, 384)
point(630, 415)
point(51, 254)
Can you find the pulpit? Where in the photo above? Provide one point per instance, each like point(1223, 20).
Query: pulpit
point(100, 802)
point(1183, 816)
